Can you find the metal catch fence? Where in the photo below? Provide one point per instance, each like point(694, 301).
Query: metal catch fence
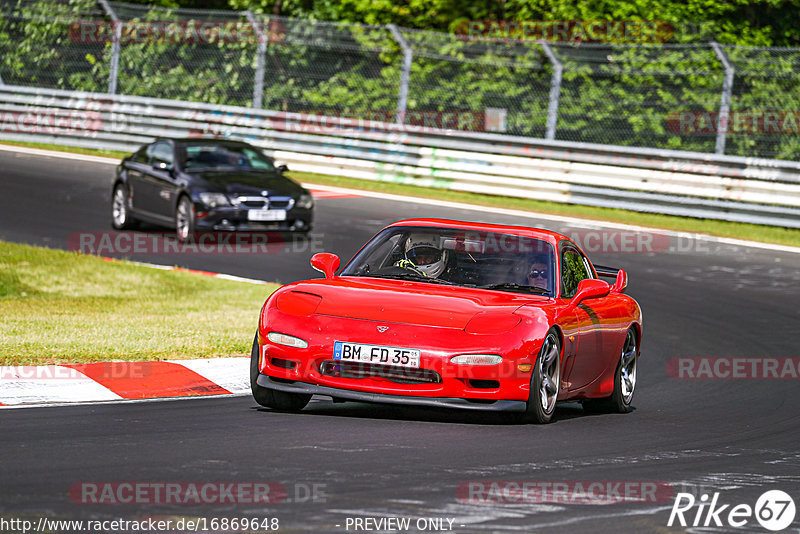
point(701, 97)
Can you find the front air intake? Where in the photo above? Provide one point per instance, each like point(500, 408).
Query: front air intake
point(403, 375)
point(283, 364)
point(484, 384)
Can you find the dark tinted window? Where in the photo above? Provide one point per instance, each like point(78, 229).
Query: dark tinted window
point(488, 260)
point(141, 155)
point(162, 153)
point(573, 270)
point(202, 157)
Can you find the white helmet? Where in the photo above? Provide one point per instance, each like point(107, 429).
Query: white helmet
point(426, 253)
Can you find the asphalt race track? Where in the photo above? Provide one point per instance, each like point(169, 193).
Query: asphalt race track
point(338, 462)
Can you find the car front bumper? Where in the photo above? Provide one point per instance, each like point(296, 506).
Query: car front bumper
point(361, 396)
point(227, 219)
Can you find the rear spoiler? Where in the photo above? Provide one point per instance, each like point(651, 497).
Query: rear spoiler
point(608, 272)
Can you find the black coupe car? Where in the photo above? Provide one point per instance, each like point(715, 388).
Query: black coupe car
point(200, 185)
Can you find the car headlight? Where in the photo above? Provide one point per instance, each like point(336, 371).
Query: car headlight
point(305, 201)
point(289, 341)
point(214, 200)
point(477, 359)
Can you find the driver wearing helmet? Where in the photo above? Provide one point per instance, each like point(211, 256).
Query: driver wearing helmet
point(424, 255)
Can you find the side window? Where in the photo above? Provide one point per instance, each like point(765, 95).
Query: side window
point(573, 270)
point(258, 161)
point(142, 156)
point(161, 153)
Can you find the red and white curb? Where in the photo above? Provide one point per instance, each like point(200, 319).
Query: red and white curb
point(321, 191)
point(117, 381)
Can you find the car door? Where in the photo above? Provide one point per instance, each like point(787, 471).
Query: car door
point(136, 170)
point(589, 362)
point(163, 188)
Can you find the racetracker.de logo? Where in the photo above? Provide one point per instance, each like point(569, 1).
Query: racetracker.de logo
point(563, 492)
point(50, 121)
point(176, 32)
point(733, 368)
point(769, 122)
point(177, 493)
point(98, 371)
point(323, 122)
point(188, 493)
point(621, 241)
point(567, 31)
point(111, 243)
point(590, 241)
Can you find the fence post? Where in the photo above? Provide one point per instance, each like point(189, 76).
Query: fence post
point(402, 97)
point(555, 90)
point(113, 67)
point(725, 100)
point(261, 52)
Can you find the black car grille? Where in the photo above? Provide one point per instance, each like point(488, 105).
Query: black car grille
point(280, 203)
point(403, 375)
point(277, 203)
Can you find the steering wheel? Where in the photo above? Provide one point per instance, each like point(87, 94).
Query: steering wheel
point(411, 266)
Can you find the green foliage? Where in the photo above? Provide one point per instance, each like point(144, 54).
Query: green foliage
point(743, 22)
point(210, 69)
point(38, 49)
point(611, 93)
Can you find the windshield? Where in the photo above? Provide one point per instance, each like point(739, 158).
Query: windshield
point(489, 260)
point(204, 157)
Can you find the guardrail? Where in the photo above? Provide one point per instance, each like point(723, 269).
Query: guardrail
point(689, 184)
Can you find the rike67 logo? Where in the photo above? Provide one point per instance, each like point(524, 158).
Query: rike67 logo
point(774, 510)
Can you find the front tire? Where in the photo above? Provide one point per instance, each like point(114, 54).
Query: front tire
point(546, 380)
point(121, 218)
point(624, 381)
point(269, 398)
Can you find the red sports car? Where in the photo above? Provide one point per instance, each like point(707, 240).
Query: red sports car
point(452, 314)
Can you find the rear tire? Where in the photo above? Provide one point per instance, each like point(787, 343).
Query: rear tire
point(121, 218)
point(269, 398)
point(624, 381)
point(545, 381)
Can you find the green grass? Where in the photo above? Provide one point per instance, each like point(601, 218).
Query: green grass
point(65, 307)
point(72, 149)
point(752, 232)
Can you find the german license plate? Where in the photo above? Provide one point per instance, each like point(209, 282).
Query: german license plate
point(363, 353)
point(266, 215)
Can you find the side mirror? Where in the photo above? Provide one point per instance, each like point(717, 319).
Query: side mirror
point(282, 168)
point(621, 283)
point(590, 288)
point(162, 166)
point(326, 263)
